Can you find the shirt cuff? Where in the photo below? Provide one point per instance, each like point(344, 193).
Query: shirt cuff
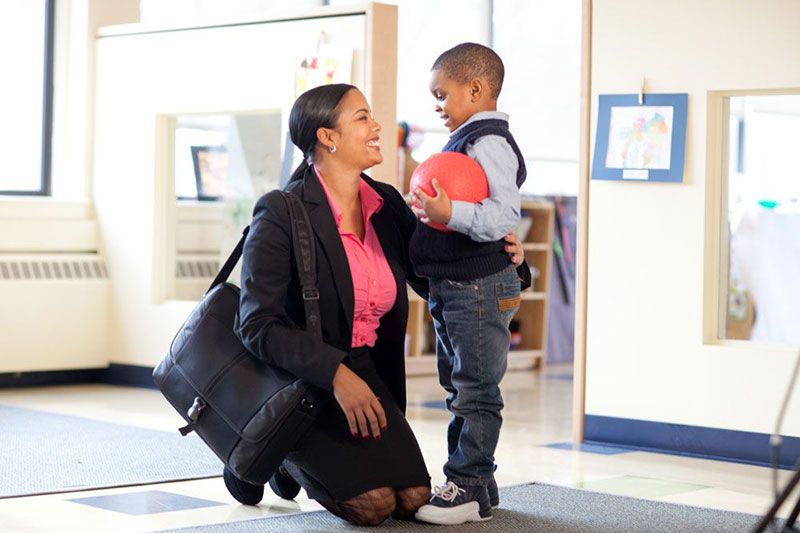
point(461, 214)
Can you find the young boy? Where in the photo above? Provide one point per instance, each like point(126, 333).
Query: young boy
point(474, 289)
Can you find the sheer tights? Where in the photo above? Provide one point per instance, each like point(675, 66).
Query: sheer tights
point(373, 507)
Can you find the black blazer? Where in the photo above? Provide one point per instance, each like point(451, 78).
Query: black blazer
point(271, 318)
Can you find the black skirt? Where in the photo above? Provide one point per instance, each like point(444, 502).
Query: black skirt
point(332, 464)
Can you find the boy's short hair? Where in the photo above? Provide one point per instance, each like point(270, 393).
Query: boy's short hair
point(467, 61)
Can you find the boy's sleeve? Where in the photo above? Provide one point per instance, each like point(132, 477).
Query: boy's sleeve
point(499, 214)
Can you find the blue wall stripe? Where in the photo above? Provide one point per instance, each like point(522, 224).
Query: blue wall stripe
point(12, 380)
point(694, 441)
point(130, 375)
point(114, 374)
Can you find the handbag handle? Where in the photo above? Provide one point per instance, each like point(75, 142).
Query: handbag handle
point(305, 257)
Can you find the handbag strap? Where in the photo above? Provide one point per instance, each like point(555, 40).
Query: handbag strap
point(225, 272)
point(306, 259)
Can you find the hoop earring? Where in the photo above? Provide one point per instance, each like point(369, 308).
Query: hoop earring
point(332, 149)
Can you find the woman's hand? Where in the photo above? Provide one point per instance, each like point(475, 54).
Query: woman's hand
point(514, 248)
point(360, 405)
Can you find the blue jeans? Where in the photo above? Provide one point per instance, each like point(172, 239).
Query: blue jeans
point(472, 340)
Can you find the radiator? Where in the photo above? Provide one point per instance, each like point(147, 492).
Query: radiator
point(194, 273)
point(72, 267)
point(55, 312)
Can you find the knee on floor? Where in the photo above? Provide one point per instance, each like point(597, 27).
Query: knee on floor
point(409, 500)
point(370, 508)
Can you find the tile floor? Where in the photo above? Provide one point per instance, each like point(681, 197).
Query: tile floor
point(534, 446)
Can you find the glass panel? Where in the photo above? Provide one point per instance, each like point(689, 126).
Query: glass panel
point(22, 54)
point(223, 164)
point(762, 296)
point(227, 157)
point(425, 30)
point(421, 39)
point(539, 41)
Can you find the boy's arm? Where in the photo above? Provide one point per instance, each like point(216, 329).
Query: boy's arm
point(499, 214)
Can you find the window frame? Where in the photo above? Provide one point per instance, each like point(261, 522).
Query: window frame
point(717, 238)
point(45, 185)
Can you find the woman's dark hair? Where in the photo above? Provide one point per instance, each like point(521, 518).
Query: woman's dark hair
point(314, 109)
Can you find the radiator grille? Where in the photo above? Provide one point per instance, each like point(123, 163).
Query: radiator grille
point(56, 268)
point(196, 269)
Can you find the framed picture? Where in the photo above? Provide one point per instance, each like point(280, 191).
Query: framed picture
point(210, 171)
point(640, 142)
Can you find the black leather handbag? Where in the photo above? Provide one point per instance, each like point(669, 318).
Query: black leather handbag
point(248, 412)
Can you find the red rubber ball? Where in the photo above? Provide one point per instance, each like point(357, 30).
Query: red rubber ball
point(459, 175)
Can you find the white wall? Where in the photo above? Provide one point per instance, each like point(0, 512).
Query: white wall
point(646, 356)
point(50, 322)
point(140, 77)
point(54, 324)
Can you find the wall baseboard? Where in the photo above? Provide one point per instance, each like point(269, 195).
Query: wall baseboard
point(130, 375)
point(114, 374)
point(693, 441)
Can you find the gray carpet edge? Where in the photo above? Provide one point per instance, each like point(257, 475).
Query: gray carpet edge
point(87, 453)
point(90, 488)
point(331, 523)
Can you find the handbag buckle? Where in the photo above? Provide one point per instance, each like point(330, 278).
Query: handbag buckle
point(194, 411)
point(311, 294)
point(305, 402)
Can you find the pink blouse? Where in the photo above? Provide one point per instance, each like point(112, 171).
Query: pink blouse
point(374, 286)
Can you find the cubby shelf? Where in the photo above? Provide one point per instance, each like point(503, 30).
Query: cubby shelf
point(529, 295)
point(536, 246)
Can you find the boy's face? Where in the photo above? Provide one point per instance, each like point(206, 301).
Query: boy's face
point(454, 100)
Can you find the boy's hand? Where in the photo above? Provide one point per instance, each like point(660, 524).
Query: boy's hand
point(436, 209)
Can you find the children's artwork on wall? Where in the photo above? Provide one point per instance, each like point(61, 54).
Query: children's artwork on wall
point(642, 142)
point(331, 64)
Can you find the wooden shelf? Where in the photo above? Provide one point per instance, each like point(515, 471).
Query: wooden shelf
point(531, 295)
point(413, 297)
point(536, 246)
point(532, 314)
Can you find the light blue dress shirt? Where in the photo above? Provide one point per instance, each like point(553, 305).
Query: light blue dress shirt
point(499, 214)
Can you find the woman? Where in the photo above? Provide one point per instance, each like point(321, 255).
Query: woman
point(360, 459)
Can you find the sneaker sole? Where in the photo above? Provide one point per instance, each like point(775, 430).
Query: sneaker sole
point(468, 512)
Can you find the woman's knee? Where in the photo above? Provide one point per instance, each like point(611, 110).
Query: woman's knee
point(370, 508)
point(409, 500)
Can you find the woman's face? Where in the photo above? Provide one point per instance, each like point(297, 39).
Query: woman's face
point(356, 135)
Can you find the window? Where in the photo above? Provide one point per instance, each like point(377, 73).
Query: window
point(26, 96)
point(760, 299)
point(539, 42)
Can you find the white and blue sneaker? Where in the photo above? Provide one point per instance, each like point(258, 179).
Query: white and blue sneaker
point(451, 504)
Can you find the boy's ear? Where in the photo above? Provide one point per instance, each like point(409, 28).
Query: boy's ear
point(477, 87)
